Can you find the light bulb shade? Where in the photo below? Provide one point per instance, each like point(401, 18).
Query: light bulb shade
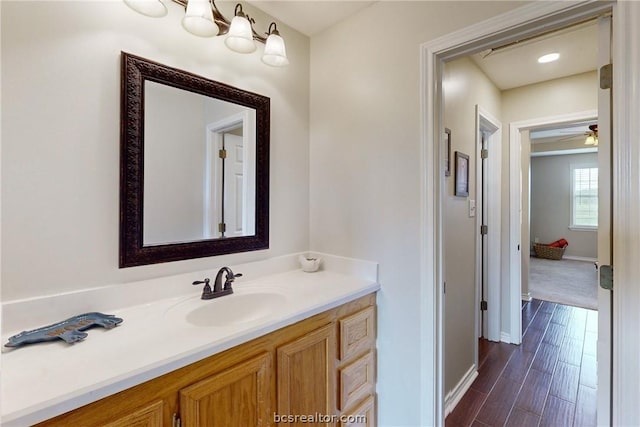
point(198, 19)
point(275, 53)
point(152, 8)
point(240, 36)
point(591, 140)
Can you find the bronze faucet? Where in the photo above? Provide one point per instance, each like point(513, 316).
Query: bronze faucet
point(218, 289)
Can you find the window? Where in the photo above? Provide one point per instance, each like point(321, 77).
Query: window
point(584, 197)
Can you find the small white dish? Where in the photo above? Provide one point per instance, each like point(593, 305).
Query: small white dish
point(309, 265)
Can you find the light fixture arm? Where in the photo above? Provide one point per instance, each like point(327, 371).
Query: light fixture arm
point(224, 24)
point(273, 29)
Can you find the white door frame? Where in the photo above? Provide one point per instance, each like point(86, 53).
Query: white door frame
point(626, 202)
point(486, 122)
point(528, 20)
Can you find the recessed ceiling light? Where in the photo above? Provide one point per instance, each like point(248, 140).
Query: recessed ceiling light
point(549, 58)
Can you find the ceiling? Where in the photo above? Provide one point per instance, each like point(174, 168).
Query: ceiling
point(560, 133)
point(508, 66)
point(517, 65)
point(310, 17)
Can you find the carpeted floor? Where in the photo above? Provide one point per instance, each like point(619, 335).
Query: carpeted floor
point(565, 281)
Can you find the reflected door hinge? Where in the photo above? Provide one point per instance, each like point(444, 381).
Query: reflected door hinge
point(606, 76)
point(606, 277)
point(483, 305)
point(222, 227)
point(222, 154)
point(484, 153)
point(175, 422)
point(484, 229)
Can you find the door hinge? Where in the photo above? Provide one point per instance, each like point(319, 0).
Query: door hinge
point(484, 153)
point(222, 153)
point(606, 277)
point(484, 229)
point(483, 305)
point(606, 76)
point(222, 227)
point(175, 422)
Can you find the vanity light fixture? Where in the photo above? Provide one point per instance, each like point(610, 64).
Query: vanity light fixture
point(198, 19)
point(550, 57)
point(275, 53)
point(240, 36)
point(151, 8)
point(202, 18)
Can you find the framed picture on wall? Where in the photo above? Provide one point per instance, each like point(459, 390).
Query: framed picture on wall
point(462, 175)
point(447, 152)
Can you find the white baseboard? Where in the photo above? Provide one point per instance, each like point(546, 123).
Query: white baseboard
point(526, 297)
point(453, 397)
point(579, 258)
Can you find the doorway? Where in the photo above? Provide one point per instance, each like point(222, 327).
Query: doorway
point(448, 48)
point(560, 200)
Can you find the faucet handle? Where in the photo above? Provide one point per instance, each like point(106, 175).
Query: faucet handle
point(206, 291)
point(230, 278)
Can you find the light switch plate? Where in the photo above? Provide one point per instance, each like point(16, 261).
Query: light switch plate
point(472, 208)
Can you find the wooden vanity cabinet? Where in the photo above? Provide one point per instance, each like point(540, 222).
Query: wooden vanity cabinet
point(321, 365)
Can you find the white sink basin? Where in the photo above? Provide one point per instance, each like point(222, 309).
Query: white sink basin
point(237, 308)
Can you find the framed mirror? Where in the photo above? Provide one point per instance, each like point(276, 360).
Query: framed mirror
point(194, 166)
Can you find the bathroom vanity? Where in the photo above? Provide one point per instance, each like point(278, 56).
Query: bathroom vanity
point(321, 365)
point(305, 346)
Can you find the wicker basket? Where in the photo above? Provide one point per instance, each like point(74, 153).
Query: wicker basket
point(548, 252)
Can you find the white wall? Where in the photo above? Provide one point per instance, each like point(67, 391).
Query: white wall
point(174, 164)
point(365, 158)
point(561, 96)
point(464, 87)
point(551, 200)
point(60, 136)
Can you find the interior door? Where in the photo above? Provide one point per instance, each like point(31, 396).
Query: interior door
point(605, 247)
point(234, 185)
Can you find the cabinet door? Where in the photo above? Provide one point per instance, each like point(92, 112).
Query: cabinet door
point(306, 371)
point(149, 416)
point(235, 397)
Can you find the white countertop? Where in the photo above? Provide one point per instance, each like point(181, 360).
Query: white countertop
point(40, 381)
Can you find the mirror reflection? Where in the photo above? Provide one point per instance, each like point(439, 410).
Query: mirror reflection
point(199, 167)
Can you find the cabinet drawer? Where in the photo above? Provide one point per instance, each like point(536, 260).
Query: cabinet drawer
point(357, 380)
point(362, 416)
point(357, 333)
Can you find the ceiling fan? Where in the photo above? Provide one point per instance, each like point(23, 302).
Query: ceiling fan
point(566, 134)
point(592, 135)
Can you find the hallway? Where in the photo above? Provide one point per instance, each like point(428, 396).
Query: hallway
point(549, 380)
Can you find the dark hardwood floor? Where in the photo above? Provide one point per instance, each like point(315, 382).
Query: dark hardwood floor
point(548, 380)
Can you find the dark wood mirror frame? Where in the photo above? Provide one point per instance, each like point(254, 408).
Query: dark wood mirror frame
point(135, 71)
